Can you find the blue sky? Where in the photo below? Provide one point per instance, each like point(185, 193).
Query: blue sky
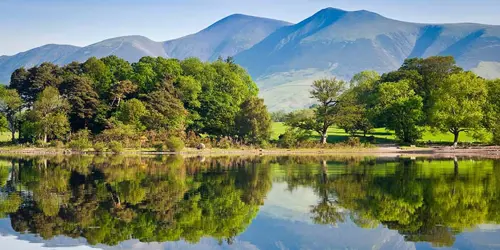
point(26, 24)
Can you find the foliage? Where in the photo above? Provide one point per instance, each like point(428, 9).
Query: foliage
point(326, 92)
point(278, 116)
point(49, 115)
point(154, 94)
point(401, 109)
point(10, 107)
point(99, 147)
point(80, 140)
point(292, 137)
point(459, 103)
point(253, 121)
point(115, 147)
point(174, 144)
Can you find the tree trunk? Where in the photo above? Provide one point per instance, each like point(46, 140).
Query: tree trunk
point(45, 137)
point(324, 136)
point(455, 140)
point(13, 135)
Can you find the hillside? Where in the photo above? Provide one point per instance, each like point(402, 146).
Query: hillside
point(47, 53)
point(226, 37)
point(130, 48)
point(340, 43)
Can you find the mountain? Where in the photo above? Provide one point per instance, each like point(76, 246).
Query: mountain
point(341, 43)
point(47, 53)
point(130, 48)
point(226, 37)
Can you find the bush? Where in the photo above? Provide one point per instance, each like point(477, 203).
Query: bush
point(79, 144)
point(41, 144)
point(160, 147)
point(174, 144)
point(115, 147)
point(353, 142)
point(292, 137)
point(192, 140)
point(57, 144)
point(99, 147)
point(80, 140)
point(224, 142)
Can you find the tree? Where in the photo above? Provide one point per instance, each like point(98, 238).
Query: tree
point(253, 121)
point(32, 82)
point(326, 92)
point(10, 106)
point(400, 109)
point(101, 76)
point(492, 109)
point(50, 113)
point(84, 100)
point(425, 76)
point(459, 103)
point(120, 90)
point(131, 112)
point(165, 111)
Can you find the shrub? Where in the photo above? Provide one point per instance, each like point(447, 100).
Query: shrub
point(99, 147)
point(115, 147)
point(57, 144)
point(41, 144)
point(160, 147)
point(353, 142)
point(79, 144)
point(174, 144)
point(224, 142)
point(80, 140)
point(292, 137)
point(192, 140)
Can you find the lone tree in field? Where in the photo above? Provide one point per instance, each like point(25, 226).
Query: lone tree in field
point(326, 92)
point(459, 103)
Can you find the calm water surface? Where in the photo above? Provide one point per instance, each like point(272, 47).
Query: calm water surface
point(85, 202)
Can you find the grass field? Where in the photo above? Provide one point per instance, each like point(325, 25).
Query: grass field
point(381, 135)
point(5, 136)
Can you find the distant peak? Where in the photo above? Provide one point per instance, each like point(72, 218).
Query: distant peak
point(331, 11)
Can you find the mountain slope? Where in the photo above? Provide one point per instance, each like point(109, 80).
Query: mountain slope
point(130, 48)
point(224, 38)
point(47, 53)
point(340, 43)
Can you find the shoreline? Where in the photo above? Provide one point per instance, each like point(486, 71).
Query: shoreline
point(440, 151)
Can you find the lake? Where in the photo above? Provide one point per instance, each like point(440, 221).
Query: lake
point(168, 202)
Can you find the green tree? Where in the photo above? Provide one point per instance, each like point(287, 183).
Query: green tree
point(31, 83)
point(10, 106)
point(84, 100)
point(132, 112)
point(253, 121)
point(492, 109)
point(50, 113)
point(165, 111)
point(400, 109)
point(459, 104)
point(121, 90)
point(326, 92)
point(100, 74)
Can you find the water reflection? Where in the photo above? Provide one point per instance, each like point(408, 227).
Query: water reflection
point(111, 200)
